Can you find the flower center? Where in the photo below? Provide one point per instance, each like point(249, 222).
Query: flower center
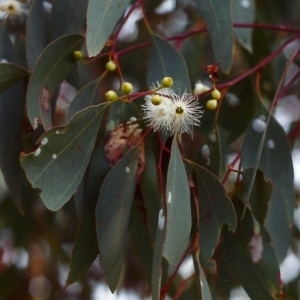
point(179, 110)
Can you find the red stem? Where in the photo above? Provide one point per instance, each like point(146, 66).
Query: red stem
point(259, 66)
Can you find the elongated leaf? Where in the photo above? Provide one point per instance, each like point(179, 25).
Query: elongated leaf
point(215, 209)
point(253, 260)
point(260, 194)
point(52, 68)
point(112, 215)
point(85, 249)
point(243, 12)
point(158, 256)
point(141, 238)
point(205, 291)
point(150, 189)
point(102, 17)
point(37, 35)
point(87, 96)
point(178, 224)
point(11, 116)
point(57, 166)
point(270, 152)
point(9, 74)
point(162, 63)
point(217, 16)
point(68, 16)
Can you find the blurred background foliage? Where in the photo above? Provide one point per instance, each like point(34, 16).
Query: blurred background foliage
point(80, 176)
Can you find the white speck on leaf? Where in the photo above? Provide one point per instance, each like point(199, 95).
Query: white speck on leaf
point(169, 197)
point(57, 132)
point(205, 151)
point(44, 141)
point(132, 119)
point(127, 169)
point(259, 125)
point(161, 220)
point(37, 152)
point(245, 3)
point(212, 137)
point(256, 247)
point(270, 144)
point(54, 156)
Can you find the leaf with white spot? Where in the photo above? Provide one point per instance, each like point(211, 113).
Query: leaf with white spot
point(178, 219)
point(52, 68)
point(112, 215)
point(57, 166)
point(266, 147)
point(243, 11)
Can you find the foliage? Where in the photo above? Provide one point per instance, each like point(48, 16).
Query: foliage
point(84, 168)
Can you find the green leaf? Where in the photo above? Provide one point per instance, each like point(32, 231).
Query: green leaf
point(68, 16)
point(141, 238)
point(158, 256)
point(51, 69)
point(269, 151)
point(240, 101)
point(243, 12)
point(37, 34)
point(161, 64)
point(9, 74)
point(87, 96)
point(217, 16)
point(112, 215)
point(260, 194)
point(205, 291)
point(11, 120)
point(102, 17)
point(57, 166)
point(178, 223)
point(150, 188)
point(215, 209)
point(85, 248)
point(253, 260)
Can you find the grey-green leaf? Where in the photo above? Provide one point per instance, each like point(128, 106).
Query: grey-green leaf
point(269, 151)
point(89, 95)
point(102, 17)
point(112, 215)
point(9, 74)
point(216, 210)
point(243, 12)
point(58, 164)
point(178, 223)
point(51, 69)
point(162, 63)
point(217, 16)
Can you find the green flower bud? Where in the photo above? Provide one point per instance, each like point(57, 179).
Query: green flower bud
point(111, 96)
point(111, 66)
point(167, 82)
point(126, 88)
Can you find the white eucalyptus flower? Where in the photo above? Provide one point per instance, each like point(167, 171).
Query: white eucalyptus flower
point(13, 8)
point(172, 113)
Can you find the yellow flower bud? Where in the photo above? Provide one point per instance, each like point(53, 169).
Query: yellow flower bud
point(216, 94)
point(212, 104)
point(156, 100)
point(78, 55)
point(126, 88)
point(167, 82)
point(111, 96)
point(111, 66)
